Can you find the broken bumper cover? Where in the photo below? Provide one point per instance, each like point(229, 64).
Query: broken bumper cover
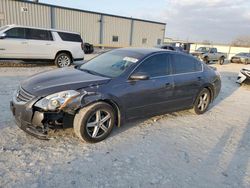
point(25, 119)
point(243, 76)
point(31, 121)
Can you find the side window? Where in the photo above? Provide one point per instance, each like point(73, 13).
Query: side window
point(156, 65)
point(38, 34)
point(158, 41)
point(198, 66)
point(213, 50)
point(115, 38)
point(144, 41)
point(70, 37)
point(185, 64)
point(17, 33)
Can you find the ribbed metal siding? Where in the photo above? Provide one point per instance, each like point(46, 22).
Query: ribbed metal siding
point(116, 27)
point(37, 15)
point(151, 31)
point(85, 23)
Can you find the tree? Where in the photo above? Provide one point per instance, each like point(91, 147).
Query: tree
point(243, 41)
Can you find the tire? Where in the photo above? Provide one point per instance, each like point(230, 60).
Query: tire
point(221, 60)
point(198, 109)
point(88, 124)
point(63, 60)
point(206, 60)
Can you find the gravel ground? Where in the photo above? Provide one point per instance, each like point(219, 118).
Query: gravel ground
point(174, 150)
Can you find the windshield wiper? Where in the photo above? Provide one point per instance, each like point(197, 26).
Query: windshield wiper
point(89, 71)
point(93, 72)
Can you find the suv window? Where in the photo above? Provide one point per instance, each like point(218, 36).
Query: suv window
point(156, 65)
point(213, 50)
point(17, 33)
point(70, 37)
point(38, 34)
point(185, 64)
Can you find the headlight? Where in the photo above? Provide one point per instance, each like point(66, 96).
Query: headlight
point(57, 100)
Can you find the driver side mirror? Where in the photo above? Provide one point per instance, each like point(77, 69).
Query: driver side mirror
point(3, 35)
point(139, 76)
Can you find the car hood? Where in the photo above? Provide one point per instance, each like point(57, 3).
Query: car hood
point(49, 82)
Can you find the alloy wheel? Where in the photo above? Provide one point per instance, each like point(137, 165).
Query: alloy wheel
point(64, 61)
point(203, 102)
point(98, 123)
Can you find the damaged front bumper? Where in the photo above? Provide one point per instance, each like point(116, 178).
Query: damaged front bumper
point(38, 122)
point(34, 122)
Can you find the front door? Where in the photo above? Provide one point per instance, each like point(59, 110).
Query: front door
point(14, 45)
point(151, 96)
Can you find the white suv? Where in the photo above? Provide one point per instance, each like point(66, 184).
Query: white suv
point(29, 43)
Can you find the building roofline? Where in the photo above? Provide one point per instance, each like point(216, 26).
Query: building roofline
point(92, 12)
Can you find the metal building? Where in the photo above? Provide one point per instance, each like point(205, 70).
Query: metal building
point(97, 28)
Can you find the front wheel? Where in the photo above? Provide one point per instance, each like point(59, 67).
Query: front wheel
point(63, 60)
point(202, 101)
point(95, 122)
point(206, 60)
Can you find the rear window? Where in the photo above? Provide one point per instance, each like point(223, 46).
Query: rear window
point(70, 37)
point(38, 34)
point(185, 64)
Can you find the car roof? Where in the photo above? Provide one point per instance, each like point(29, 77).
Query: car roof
point(56, 30)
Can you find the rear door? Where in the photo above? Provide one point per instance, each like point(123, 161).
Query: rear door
point(40, 44)
point(14, 45)
point(188, 79)
point(150, 96)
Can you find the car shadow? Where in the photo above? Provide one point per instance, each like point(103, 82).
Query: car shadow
point(237, 168)
point(229, 86)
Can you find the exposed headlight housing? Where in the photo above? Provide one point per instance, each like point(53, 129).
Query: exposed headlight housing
point(57, 100)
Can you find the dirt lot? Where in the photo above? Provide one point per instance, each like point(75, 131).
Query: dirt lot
point(174, 150)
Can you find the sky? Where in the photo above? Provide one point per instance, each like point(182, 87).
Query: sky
point(218, 21)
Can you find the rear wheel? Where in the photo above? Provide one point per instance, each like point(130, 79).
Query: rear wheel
point(221, 60)
point(202, 101)
point(63, 60)
point(95, 122)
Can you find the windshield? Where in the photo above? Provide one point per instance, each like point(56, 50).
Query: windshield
point(243, 54)
point(111, 64)
point(3, 28)
point(202, 49)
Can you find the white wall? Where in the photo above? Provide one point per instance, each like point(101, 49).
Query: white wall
point(229, 50)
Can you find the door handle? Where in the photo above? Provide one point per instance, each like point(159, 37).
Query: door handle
point(199, 78)
point(48, 44)
point(24, 42)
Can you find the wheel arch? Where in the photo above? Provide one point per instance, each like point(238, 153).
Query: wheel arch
point(210, 88)
point(64, 51)
point(91, 99)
